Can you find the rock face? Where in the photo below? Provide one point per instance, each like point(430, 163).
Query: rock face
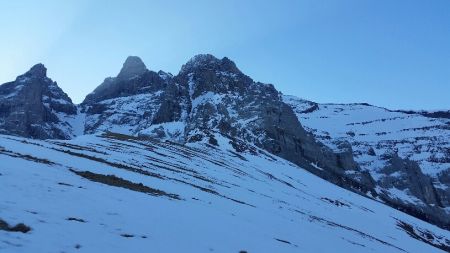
point(444, 192)
point(34, 106)
point(404, 174)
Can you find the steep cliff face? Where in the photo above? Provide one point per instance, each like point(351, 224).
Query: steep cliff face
point(34, 106)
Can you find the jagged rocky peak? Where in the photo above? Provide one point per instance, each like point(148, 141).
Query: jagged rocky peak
point(208, 61)
point(134, 78)
point(132, 67)
point(131, 101)
point(38, 71)
point(206, 73)
point(34, 106)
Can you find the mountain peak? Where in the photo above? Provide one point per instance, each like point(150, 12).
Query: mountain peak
point(203, 58)
point(209, 61)
point(38, 70)
point(132, 66)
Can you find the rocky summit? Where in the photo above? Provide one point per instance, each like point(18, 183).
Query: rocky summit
point(211, 103)
point(34, 106)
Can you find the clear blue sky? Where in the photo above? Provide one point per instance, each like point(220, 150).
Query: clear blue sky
point(392, 53)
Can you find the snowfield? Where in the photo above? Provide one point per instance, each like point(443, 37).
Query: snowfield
point(117, 193)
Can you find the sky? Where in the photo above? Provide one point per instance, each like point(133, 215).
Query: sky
point(394, 54)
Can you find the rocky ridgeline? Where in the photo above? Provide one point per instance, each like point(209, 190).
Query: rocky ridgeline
point(210, 101)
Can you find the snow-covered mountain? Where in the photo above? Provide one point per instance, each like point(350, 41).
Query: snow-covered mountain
point(118, 193)
point(214, 130)
point(407, 153)
point(211, 96)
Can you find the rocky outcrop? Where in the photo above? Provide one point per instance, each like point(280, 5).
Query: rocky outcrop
point(444, 191)
point(406, 176)
point(34, 106)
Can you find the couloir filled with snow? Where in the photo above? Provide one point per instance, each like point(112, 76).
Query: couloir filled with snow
point(117, 193)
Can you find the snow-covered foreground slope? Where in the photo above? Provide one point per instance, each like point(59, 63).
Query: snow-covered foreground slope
point(114, 193)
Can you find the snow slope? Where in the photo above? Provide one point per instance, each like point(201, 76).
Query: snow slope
point(117, 193)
